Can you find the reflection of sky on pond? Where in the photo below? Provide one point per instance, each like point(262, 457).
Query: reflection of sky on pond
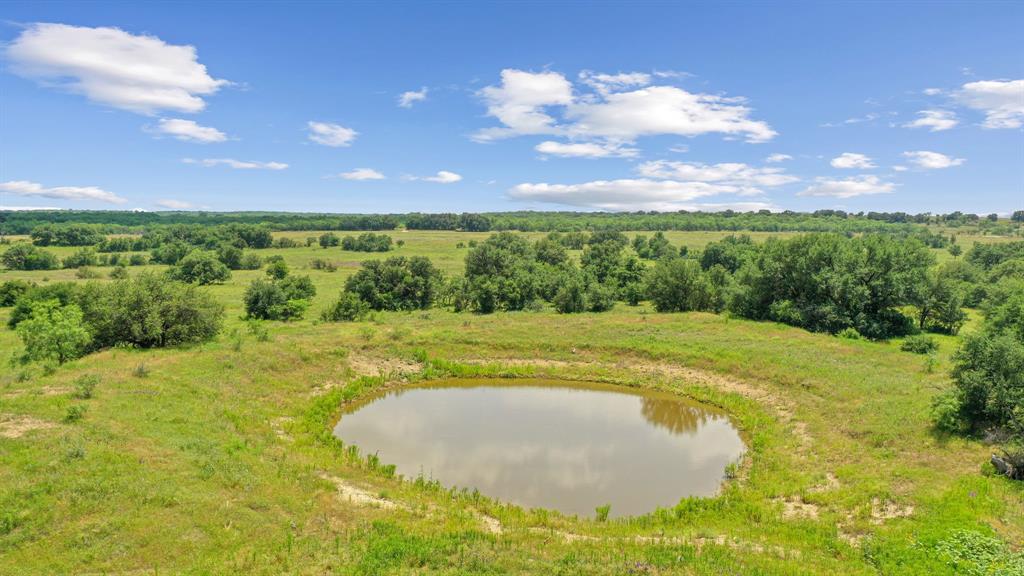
point(551, 446)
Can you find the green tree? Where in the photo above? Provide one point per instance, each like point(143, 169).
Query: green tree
point(347, 308)
point(54, 332)
point(277, 268)
point(23, 256)
point(678, 285)
point(200, 267)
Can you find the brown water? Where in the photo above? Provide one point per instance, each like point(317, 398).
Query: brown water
point(550, 444)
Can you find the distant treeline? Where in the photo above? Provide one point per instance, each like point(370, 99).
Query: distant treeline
point(113, 222)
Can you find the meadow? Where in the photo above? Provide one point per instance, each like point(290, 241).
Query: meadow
point(217, 458)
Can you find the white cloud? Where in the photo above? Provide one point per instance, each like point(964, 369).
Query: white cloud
point(1002, 101)
point(188, 131)
point(141, 73)
point(657, 110)
point(520, 102)
point(585, 149)
point(620, 109)
point(610, 82)
point(174, 204)
point(331, 134)
point(778, 158)
point(407, 99)
point(935, 120)
point(744, 178)
point(932, 160)
point(443, 177)
point(362, 174)
point(848, 187)
point(899, 168)
point(932, 91)
point(852, 160)
point(237, 164)
point(632, 194)
point(25, 188)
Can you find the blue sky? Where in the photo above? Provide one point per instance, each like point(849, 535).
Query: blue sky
point(916, 106)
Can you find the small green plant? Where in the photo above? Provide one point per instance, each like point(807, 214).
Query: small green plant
point(931, 362)
point(75, 413)
point(919, 344)
point(258, 329)
point(140, 370)
point(85, 385)
point(367, 333)
point(602, 512)
point(850, 334)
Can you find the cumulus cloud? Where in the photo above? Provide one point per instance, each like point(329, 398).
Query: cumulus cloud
point(1002, 101)
point(520, 102)
point(934, 120)
point(744, 179)
point(34, 189)
point(139, 73)
point(443, 177)
point(174, 204)
point(331, 134)
point(188, 131)
point(618, 109)
point(585, 149)
point(932, 91)
point(407, 99)
point(775, 158)
point(932, 160)
point(236, 164)
point(848, 187)
point(362, 174)
point(852, 160)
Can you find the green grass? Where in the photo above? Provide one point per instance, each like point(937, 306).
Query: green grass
point(220, 459)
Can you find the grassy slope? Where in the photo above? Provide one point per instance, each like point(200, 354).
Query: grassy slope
point(212, 463)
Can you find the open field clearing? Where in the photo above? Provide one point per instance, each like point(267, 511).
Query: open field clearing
point(218, 457)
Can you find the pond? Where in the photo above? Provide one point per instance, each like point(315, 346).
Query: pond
point(567, 446)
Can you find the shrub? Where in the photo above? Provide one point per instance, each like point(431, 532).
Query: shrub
point(200, 267)
point(74, 413)
point(148, 311)
point(919, 344)
point(69, 234)
point(250, 262)
point(398, 283)
point(85, 385)
point(571, 297)
point(347, 308)
point(321, 264)
point(118, 273)
point(83, 257)
point(277, 268)
point(297, 288)
point(230, 256)
point(600, 297)
point(678, 285)
point(329, 239)
point(278, 300)
point(849, 334)
point(54, 332)
point(138, 260)
point(86, 273)
point(367, 242)
point(24, 256)
point(11, 290)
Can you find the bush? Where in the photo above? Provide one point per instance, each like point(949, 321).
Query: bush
point(83, 257)
point(919, 344)
point(250, 262)
point(321, 264)
point(278, 300)
point(11, 290)
point(85, 386)
point(24, 256)
point(571, 297)
point(86, 273)
point(398, 283)
point(277, 268)
point(347, 308)
point(600, 297)
point(329, 239)
point(367, 242)
point(678, 285)
point(54, 332)
point(849, 334)
point(200, 267)
point(118, 273)
point(138, 260)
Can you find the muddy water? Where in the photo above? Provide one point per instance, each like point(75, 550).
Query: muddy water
point(566, 446)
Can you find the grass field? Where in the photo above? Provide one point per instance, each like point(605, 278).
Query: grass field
point(217, 459)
